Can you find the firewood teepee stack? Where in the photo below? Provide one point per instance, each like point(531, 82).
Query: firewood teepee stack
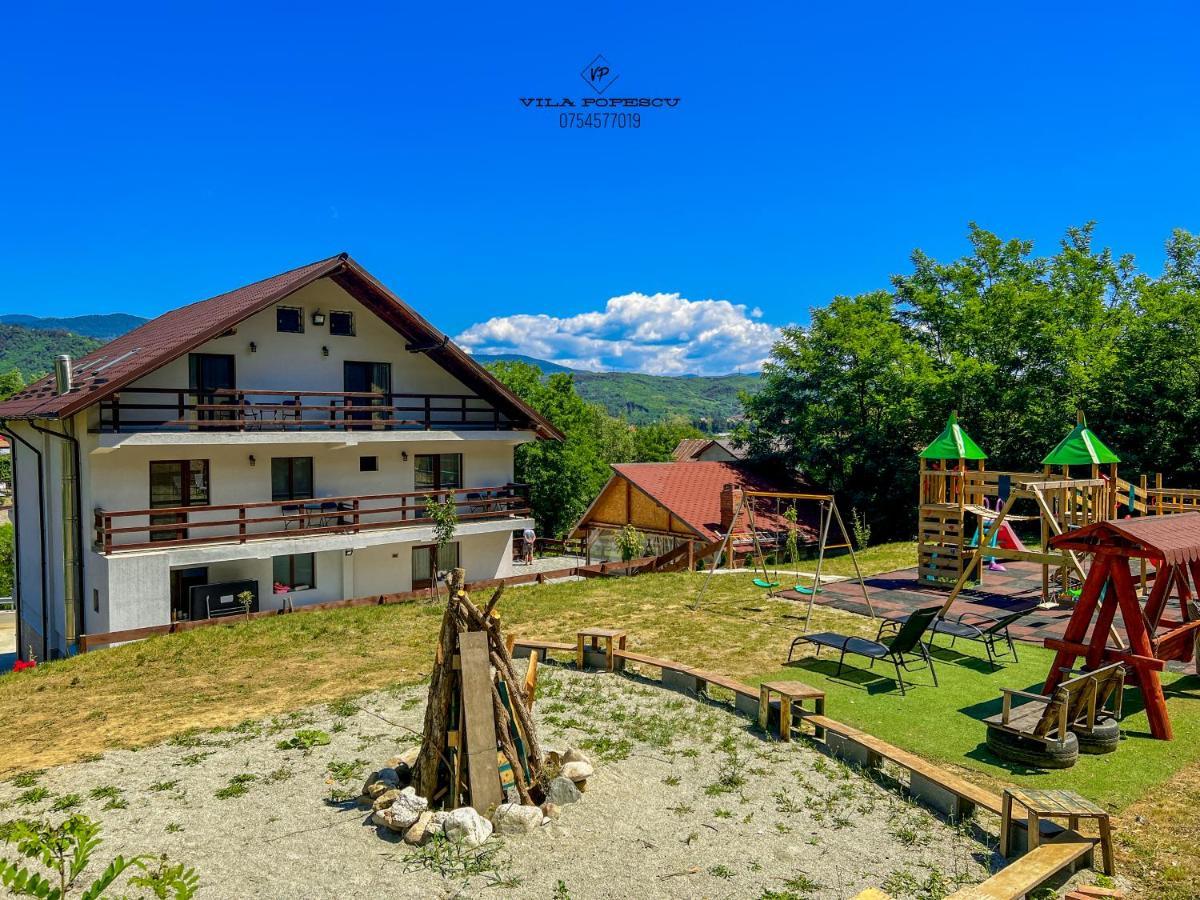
point(480, 746)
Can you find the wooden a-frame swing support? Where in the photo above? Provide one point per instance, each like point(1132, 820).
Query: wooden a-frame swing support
point(828, 512)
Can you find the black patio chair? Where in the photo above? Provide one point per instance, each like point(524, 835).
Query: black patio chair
point(987, 631)
point(329, 514)
point(292, 510)
point(899, 648)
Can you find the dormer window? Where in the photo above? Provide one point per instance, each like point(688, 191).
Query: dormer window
point(289, 319)
point(341, 323)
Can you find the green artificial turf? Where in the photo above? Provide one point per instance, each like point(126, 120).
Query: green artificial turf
point(944, 724)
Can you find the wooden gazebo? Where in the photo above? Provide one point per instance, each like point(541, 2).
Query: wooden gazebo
point(1172, 545)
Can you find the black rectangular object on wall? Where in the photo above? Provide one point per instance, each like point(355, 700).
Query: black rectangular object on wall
point(210, 601)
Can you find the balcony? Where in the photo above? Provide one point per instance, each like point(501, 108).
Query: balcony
point(234, 409)
point(188, 526)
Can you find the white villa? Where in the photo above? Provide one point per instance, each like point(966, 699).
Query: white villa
point(280, 439)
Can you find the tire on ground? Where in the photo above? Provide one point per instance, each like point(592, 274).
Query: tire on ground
point(1030, 752)
point(1103, 738)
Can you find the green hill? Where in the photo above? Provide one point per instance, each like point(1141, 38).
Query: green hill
point(32, 350)
point(710, 402)
point(106, 326)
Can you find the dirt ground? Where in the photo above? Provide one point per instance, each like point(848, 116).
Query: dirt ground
point(687, 801)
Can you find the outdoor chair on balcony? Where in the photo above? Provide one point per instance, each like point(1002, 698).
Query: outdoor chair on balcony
point(329, 514)
point(292, 511)
point(251, 414)
point(288, 411)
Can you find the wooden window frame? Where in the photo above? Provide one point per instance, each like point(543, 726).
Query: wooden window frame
point(291, 466)
point(291, 582)
point(350, 317)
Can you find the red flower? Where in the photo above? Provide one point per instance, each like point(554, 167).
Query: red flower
point(21, 665)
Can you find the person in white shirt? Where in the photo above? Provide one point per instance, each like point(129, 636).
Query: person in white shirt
point(530, 540)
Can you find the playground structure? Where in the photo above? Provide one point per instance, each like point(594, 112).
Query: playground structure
point(1172, 545)
point(966, 512)
point(744, 503)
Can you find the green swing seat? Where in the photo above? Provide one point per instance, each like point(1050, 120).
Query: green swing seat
point(801, 589)
point(763, 583)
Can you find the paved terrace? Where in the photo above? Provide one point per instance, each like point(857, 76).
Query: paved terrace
point(899, 592)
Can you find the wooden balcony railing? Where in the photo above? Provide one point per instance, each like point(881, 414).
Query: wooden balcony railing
point(178, 409)
point(181, 526)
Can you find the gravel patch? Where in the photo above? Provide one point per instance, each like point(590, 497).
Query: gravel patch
point(687, 801)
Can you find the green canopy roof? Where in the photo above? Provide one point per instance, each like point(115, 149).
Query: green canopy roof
point(953, 443)
point(1080, 448)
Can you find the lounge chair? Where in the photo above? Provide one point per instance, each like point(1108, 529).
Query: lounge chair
point(1050, 731)
point(899, 648)
point(986, 631)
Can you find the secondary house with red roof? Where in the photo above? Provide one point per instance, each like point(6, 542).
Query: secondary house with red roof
point(280, 439)
point(673, 503)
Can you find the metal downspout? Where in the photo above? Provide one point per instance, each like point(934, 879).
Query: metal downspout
point(41, 535)
point(78, 492)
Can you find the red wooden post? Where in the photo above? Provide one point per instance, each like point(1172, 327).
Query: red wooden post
point(1081, 617)
point(1139, 643)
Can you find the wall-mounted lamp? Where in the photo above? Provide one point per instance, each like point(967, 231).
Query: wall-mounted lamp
point(318, 317)
point(252, 460)
point(349, 552)
point(324, 351)
point(253, 347)
point(404, 455)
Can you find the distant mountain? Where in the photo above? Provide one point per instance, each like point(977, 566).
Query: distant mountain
point(710, 402)
point(105, 327)
point(32, 350)
point(545, 365)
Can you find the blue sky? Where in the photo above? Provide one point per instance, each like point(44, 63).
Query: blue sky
point(154, 157)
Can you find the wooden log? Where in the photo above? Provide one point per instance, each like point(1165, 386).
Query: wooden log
point(483, 774)
point(437, 705)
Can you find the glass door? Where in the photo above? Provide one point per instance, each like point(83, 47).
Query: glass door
point(363, 378)
point(175, 483)
point(424, 564)
point(212, 374)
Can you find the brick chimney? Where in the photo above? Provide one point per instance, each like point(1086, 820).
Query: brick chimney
point(731, 498)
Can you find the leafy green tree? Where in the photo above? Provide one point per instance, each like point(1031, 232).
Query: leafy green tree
point(657, 441)
point(6, 560)
point(11, 382)
point(564, 476)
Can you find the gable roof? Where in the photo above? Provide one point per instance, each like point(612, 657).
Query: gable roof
point(107, 369)
point(1080, 448)
point(691, 492)
point(953, 443)
point(691, 448)
point(1173, 538)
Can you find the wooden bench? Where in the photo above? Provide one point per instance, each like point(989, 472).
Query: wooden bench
point(540, 648)
point(1017, 879)
point(646, 660)
point(925, 774)
point(789, 692)
point(1046, 730)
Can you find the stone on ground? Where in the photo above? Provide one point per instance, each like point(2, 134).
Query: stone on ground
point(577, 770)
point(408, 807)
point(467, 827)
point(421, 830)
point(562, 791)
point(513, 818)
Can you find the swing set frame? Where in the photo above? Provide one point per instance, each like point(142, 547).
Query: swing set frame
point(827, 513)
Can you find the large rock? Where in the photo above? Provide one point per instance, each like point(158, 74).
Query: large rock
point(575, 755)
point(384, 819)
point(386, 799)
point(551, 811)
point(577, 770)
point(408, 807)
point(467, 827)
point(421, 830)
point(562, 791)
point(513, 818)
point(409, 757)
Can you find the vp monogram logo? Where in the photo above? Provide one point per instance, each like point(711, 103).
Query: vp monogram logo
point(598, 74)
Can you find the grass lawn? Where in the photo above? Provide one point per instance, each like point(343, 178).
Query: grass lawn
point(143, 693)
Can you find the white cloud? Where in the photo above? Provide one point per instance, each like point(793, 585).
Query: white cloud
point(662, 334)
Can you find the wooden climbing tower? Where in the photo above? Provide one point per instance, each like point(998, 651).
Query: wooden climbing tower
point(945, 493)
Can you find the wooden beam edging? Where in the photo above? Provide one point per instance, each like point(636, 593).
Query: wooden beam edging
point(931, 784)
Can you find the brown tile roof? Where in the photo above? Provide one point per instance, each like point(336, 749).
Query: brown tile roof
point(1172, 538)
point(689, 449)
point(691, 491)
point(156, 343)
